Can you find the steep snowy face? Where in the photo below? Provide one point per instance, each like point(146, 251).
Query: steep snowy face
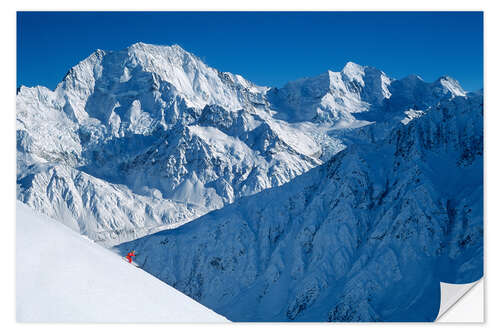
point(365, 237)
point(332, 97)
point(205, 166)
point(196, 82)
point(413, 92)
point(103, 211)
point(373, 84)
point(131, 90)
point(44, 131)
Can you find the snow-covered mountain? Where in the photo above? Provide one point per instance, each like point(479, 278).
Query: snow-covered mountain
point(367, 236)
point(333, 97)
point(62, 277)
point(345, 197)
point(150, 137)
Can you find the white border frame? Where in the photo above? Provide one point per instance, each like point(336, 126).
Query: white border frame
point(7, 131)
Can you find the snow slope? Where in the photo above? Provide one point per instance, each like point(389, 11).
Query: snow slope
point(63, 277)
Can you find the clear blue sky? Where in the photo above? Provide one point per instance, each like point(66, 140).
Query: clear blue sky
point(268, 48)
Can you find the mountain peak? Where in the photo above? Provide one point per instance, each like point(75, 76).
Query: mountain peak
point(446, 78)
point(173, 52)
point(138, 44)
point(354, 71)
point(352, 67)
point(451, 85)
point(146, 46)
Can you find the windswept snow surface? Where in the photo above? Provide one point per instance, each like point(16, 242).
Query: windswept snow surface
point(64, 277)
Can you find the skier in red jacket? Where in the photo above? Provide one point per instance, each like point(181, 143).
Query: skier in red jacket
point(130, 255)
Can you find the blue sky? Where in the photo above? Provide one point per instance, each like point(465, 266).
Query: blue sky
point(269, 48)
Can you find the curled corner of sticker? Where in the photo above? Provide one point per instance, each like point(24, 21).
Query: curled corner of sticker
point(451, 293)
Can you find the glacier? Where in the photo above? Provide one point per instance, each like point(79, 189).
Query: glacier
point(343, 197)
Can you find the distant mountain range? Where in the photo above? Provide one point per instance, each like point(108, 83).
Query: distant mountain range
point(344, 197)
